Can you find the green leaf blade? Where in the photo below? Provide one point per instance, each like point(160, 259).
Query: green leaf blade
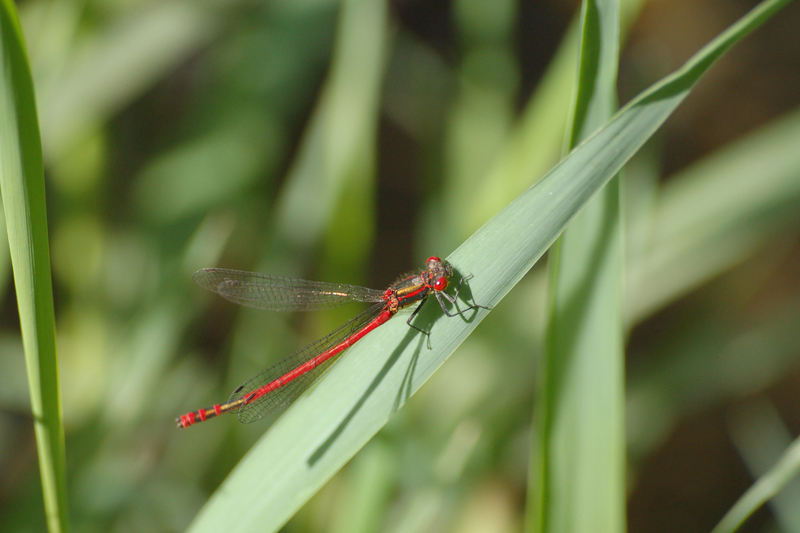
point(578, 454)
point(22, 185)
point(325, 428)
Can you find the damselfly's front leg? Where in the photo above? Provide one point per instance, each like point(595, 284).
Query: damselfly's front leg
point(453, 300)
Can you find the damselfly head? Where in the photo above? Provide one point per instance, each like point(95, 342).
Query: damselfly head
point(439, 270)
point(448, 269)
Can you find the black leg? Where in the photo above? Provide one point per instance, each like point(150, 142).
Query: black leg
point(426, 333)
point(453, 299)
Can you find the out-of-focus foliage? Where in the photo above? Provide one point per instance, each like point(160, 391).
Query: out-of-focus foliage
point(179, 135)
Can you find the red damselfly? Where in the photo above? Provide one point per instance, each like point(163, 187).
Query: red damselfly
point(281, 384)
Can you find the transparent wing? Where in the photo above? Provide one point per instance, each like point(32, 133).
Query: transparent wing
point(286, 394)
point(278, 293)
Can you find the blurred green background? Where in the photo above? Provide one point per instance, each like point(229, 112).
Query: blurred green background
point(281, 136)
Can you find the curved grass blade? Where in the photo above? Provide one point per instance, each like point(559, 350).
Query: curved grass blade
point(765, 488)
point(22, 185)
point(324, 429)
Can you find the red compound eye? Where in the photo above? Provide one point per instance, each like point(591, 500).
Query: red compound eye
point(433, 258)
point(440, 284)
